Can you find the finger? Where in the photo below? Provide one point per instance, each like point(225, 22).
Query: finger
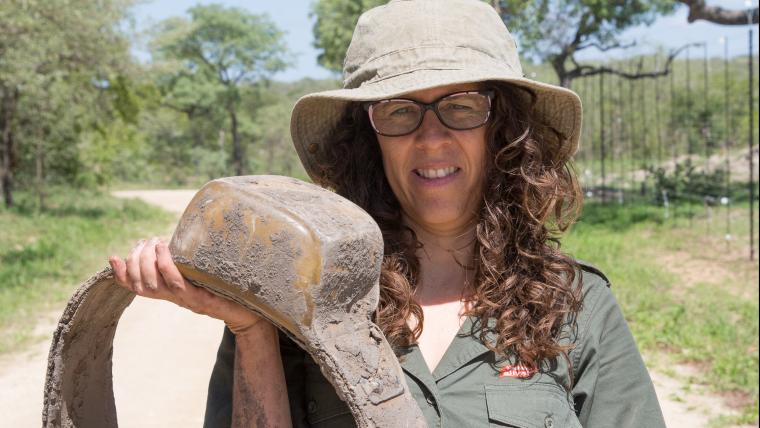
point(148, 269)
point(197, 299)
point(168, 270)
point(170, 278)
point(119, 269)
point(133, 268)
point(187, 295)
point(161, 291)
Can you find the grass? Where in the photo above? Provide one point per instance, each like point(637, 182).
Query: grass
point(683, 288)
point(45, 255)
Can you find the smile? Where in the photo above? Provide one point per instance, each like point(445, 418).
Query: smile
point(436, 173)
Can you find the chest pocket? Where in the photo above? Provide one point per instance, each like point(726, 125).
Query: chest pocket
point(529, 405)
point(324, 409)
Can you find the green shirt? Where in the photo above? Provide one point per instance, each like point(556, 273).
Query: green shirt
point(470, 388)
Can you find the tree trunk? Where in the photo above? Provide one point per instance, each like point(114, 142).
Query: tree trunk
point(197, 143)
point(40, 171)
point(9, 99)
point(237, 146)
point(558, 64)
point(270, 155)
point(565, 78)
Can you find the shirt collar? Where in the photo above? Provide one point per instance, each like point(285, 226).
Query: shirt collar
point(465, 347)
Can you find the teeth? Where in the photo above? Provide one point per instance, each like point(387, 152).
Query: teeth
point(436, 173)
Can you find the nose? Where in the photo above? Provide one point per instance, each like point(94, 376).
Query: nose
point(432, 132)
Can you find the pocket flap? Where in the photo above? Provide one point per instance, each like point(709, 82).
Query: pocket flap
point(530, 405)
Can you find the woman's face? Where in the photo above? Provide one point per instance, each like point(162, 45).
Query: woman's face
point(437, 173)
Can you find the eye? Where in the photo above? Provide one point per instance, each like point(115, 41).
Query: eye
point(400, 111)
point(458, 107)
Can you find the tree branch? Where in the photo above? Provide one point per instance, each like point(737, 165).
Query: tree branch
point(606, 48)
point(588, 70)
point(198, 52)
point(698, 9)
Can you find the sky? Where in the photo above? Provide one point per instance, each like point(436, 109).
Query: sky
point(292, 16)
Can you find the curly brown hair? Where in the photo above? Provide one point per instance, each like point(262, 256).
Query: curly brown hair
point(524, 284)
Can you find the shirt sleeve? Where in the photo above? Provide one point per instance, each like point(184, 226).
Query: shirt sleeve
point(293, 363)
point(219, 400)
point(612, 385)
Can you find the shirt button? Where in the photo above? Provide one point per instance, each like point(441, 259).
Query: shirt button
point(311, 407)
point(549, 422)
point(430, 400)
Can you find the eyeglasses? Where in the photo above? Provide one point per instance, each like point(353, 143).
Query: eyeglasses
point(459, 111)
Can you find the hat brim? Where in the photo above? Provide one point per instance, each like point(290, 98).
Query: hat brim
point(315, 115)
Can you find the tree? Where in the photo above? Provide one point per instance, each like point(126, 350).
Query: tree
point(554, 31)
point(334, 26)
point(221, 49)
point(53, 53)
point(271, 125)
point(698, 9)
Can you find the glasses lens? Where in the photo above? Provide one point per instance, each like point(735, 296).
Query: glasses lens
point(464, 111)
point(395, 117)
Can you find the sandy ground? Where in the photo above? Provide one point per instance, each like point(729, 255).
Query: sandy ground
point(163, 357)
point(171, 200)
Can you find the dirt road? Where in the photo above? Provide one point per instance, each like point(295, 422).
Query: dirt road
point(163, 356)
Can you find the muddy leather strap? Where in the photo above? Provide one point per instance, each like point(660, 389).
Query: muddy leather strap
point(301, 256)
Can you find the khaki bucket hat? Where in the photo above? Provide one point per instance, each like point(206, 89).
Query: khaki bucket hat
point(411, 45)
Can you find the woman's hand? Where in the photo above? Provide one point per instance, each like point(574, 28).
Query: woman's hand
point(259, 390)
point(150, 271)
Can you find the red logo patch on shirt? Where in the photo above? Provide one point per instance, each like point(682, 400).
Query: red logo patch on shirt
point(517, 371)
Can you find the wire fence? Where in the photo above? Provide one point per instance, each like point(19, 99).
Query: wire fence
point(684, 140)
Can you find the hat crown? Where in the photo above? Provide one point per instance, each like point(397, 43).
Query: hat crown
point(404, 36)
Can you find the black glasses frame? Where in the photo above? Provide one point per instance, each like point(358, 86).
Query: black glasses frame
point(490, 94)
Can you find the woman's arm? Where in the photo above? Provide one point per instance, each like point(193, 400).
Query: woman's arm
point(259, 397)
point(612, 385)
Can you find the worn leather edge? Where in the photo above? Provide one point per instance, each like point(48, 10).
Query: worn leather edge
point(79, 362)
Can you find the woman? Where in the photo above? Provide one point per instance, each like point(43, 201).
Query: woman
point(464, 165)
